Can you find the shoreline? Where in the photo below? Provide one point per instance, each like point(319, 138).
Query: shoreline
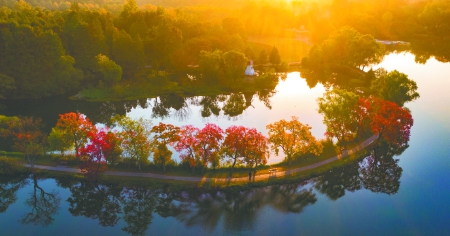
point(257, 178)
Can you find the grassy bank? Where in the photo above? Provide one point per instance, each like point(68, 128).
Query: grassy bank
point(329, 151)
point(153, 85)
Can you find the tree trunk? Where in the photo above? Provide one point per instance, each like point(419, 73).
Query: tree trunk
point(31, 161)
point(232, 166)
point(163, 161)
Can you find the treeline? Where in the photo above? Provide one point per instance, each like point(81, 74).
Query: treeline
point(45, 53)
point(50, 52)
point(132, 142)
point(395, 20)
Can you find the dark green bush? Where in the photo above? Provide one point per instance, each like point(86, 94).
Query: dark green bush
point(10, 167)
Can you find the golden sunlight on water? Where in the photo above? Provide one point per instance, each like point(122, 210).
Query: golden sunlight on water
point(295, 98)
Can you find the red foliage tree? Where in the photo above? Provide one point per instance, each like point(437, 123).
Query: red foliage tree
point(95, 154)
point(77, 126)
point(257, 150)
point(187, 144)
point(208, 144)
point(392, 122)
point(244, 145)
point(234, 145)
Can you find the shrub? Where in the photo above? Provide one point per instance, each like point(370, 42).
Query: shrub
point(10, 167)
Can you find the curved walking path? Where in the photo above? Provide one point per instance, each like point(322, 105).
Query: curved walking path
point(239, 179)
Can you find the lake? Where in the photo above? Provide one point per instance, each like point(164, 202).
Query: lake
point(404, 197)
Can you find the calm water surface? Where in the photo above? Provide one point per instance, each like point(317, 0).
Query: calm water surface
point(405, 197)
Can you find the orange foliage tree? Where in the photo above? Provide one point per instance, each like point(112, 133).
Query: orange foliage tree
point(27, 135)
point(77, 126)
point(294, 138)
point(392, 122)
point(163, 134)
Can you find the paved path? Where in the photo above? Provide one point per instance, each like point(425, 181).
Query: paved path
point(204, 179)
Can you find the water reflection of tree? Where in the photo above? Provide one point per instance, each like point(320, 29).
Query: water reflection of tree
point(234, 105)
point(209, 106)
point(378, 173)
point(239, 210)
point(338, 77)
point(291, 198)
point(96, 202)
point(335, 182)
point(8, 189)
point(432, 47)
point(138, 206)
point(162, 106)
point(44, 205)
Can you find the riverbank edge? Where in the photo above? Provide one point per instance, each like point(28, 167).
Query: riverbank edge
point(207, 181)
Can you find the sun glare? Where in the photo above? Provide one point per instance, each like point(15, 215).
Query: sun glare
point(292, 84)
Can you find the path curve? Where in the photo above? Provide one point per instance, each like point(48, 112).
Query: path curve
point(238, 179)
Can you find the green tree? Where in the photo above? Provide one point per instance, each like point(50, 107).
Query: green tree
point(262, 58)
point(36, 60)
point(7, 85)
point(346, 47)
point(337, 107)
point(249, 53)
point(59, 140)
point(126, 51)
point(112, 73)
point(235, 63)
point(210, 65)
point(135, 136)
point(274, 56)
point(84, 39)
point(436, 17)
point(394, 86)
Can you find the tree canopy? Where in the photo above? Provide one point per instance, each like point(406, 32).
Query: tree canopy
point(293, 138)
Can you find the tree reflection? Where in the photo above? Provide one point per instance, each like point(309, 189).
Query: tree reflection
point(210, 106)
point(8, 189)
point(96, 202)
point(378, 173)
point(138, 206)
point(291, 198)
point(432, 47)
point(234, 105)
point(44, 205)
point(240, 210)
point(161, 107)
point(335, 182)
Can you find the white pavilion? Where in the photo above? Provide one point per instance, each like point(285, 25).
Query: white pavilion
point(249, 71)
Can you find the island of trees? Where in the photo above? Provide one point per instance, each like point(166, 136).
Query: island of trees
point(117, 52)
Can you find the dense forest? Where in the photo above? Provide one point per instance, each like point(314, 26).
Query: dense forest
point(49, 48)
